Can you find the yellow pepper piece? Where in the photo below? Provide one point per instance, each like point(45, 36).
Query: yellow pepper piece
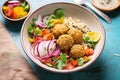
point(95, 36)
point(57, 21)
point(86, 58)
point(4, 7)
point(19, 10)
point(31, 40)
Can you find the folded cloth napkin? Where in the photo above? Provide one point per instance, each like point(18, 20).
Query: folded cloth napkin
point(13, 65)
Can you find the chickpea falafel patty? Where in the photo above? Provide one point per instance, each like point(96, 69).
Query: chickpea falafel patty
point(65, 42)
point(76, 34)
point(77, 51)
point(59, 29)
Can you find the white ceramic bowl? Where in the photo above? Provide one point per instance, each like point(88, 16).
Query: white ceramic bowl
point(18, 19)
point(72, 10)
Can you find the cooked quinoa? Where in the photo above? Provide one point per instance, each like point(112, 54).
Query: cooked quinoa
point(76, 23)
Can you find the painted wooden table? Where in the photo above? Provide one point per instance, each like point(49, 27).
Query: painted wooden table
point(106, 67)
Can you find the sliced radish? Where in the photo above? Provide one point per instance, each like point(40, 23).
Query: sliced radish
point(45, 49)
point(42, 48)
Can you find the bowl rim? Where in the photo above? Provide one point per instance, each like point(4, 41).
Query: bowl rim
point(56, 70)
point(15, 19)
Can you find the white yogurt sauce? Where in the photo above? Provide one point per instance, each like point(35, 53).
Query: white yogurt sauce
point(106, 4)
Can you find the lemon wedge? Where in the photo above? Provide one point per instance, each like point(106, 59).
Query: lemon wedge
point(95, 36)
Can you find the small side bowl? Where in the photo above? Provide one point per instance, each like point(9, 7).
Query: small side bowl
point(17, 19)
point(106, 9)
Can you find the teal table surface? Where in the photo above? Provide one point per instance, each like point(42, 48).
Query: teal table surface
point(106, 67)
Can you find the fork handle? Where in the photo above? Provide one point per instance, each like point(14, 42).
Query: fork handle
point(101, 14)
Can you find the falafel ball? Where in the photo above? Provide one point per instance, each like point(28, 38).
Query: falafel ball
point(59, 29)
point(77, 51)
point(65, 42)
point(76, 34)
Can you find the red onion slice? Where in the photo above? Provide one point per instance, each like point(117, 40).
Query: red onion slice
point(45, 18)
point(51, 46)
point(13, 1)
point(31, 50)
point(13, 5)
point(56, 52)
point(35, 51)
point(39, 22)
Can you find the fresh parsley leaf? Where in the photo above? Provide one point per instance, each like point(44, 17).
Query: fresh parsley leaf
point(63, 58)
point(51, 49)
point(86, 38)
point(45, 48)
point(61, 62)
point(90, 42)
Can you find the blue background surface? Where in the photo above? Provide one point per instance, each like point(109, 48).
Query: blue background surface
point(106, 67)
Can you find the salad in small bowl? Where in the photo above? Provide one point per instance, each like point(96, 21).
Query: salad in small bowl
point(60, 41)
point(15, 10)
